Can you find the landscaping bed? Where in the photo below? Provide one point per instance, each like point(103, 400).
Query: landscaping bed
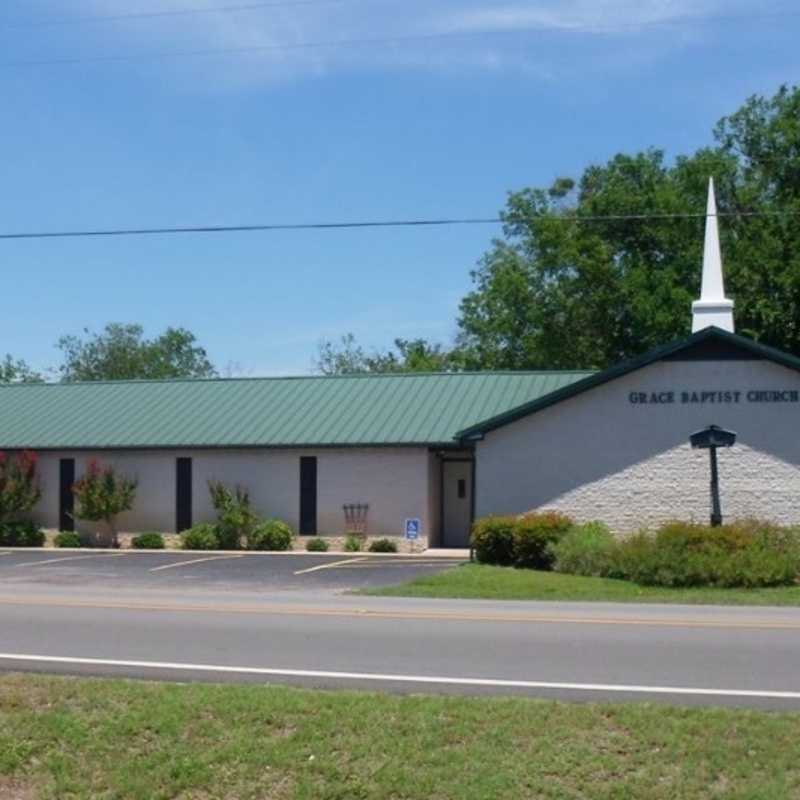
point(92, 738)
point(546, 556)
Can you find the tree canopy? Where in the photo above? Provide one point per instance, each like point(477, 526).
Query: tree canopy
point(15, 370)
point(408, 355)
point(571, 284)
point(598, 269)
point(121, 352)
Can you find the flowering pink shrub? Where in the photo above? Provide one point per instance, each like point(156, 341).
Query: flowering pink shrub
point(102, 494)
point(19, 486)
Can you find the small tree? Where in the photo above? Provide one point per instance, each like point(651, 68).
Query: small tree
point(102, 494)
point(235, 518)
point(19, 486)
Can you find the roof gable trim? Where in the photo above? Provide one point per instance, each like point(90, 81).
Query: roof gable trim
point(757, 350)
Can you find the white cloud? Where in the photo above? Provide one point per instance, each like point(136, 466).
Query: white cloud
point(583, 16)
point(287, 42)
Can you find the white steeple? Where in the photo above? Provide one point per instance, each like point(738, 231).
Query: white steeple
point(713, 308)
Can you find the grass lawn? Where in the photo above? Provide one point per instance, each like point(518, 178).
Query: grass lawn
point(91, 738)
point(480, 581)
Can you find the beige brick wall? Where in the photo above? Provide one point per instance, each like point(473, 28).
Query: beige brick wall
point(598, 456)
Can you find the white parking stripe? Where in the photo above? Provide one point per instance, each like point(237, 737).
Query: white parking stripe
point(419, 679)
point(193, 561)
point(45, 562)
point(329, 565)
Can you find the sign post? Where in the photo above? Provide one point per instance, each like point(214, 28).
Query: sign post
point(413, 528)
point(710, 439)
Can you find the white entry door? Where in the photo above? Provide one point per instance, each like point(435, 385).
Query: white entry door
point(456, 503)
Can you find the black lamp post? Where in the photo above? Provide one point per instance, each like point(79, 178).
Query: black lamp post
point(710, 439)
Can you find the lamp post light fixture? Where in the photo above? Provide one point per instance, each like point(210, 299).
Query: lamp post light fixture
point(710, 439)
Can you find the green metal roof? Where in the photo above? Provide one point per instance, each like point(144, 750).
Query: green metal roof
point(423, 409)
point(748, 347)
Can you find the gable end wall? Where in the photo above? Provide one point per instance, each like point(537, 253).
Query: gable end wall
point(599, 456)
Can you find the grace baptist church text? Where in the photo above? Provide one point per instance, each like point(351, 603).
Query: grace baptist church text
point(714, 396)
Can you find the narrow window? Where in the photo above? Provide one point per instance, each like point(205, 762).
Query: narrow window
point(308, 496)
point(66, 501)
point(183, 494)
point(462, 488)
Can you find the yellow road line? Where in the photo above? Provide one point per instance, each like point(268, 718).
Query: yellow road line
point(193, 561)
point(330, 565)
point(365, 613)
point(44, 563)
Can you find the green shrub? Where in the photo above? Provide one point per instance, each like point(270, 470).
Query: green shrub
point(148, 541)
point(746, 554)
point(271, 534)
point(756, 566)
point(235, 518)
point(67, 539)
point(383, 546)
point(353, 543)
point(493, 540)
point(21, 534)
point(588, 549)
point(316, 545)
point(534, 536)
point(202, 536)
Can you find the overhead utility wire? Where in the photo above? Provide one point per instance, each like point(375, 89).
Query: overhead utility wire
point(403, 39)
point(176, 12)
point(179, 12)
point(411, 223)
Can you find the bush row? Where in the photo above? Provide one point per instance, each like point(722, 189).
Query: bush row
point(265, 535)
point(271, 534)
point(749, 553)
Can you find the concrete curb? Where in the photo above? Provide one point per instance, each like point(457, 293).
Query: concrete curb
point(455, 554)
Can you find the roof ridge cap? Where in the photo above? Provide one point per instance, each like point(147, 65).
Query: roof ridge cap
point(254, 378)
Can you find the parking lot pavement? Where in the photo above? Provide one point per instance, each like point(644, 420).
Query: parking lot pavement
point(235, 571)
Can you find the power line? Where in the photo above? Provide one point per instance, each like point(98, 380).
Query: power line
point(410, 223)
point(101, 18)
point(178, 12)
point(372, 41)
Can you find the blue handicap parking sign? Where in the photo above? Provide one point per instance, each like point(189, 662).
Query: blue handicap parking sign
point(413, 528)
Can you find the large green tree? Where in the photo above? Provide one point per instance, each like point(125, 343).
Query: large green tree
point(122, 352)
point(592, 271)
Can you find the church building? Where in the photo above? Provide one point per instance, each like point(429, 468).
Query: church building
point(419, 456)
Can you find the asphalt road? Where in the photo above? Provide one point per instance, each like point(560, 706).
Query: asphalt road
point(119, 618)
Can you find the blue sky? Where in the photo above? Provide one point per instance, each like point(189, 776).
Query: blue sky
point(470, 99)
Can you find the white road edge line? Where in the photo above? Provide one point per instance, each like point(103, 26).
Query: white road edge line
point(330, 564)
point(423, 679)
point(193, 561)
point(45, 562)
